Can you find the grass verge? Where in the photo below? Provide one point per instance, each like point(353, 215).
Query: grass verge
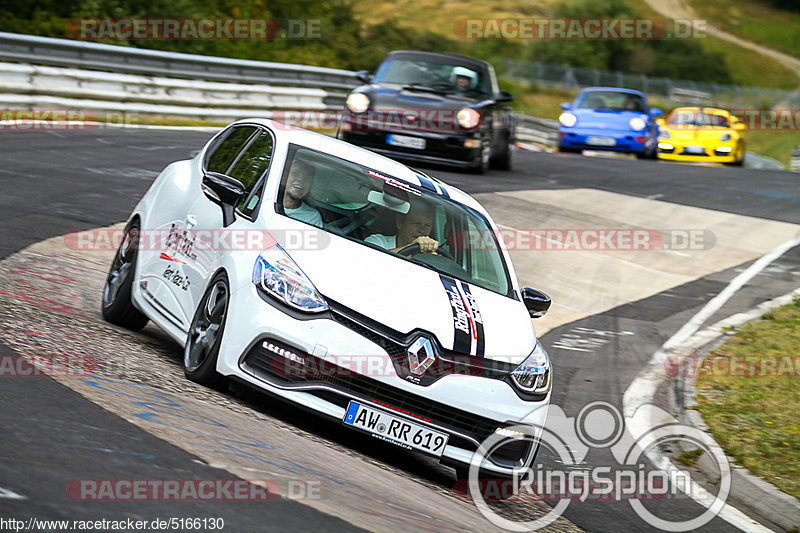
point(748, 394)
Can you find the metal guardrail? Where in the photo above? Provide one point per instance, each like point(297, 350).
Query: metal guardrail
point(78, 54)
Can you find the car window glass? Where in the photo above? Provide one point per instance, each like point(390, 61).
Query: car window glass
point(433, 74)
point(225, 152)
point(618, 101)
point(250, 166)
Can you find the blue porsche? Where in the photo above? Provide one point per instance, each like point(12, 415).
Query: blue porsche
point(610, 119)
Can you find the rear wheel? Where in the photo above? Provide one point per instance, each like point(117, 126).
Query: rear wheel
point(117, 306)
point(205, 334)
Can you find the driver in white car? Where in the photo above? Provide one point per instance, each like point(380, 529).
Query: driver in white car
point(298, 185)
point(412, 228)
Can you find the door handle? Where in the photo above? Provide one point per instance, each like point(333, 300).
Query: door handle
point(191, 221)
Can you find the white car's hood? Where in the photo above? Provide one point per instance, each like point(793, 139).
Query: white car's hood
point(405, 297)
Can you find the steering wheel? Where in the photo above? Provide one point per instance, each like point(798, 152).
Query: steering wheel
point(413, 249)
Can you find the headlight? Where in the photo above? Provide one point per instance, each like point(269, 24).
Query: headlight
point(637, 124)
point(357, 102)
point(726, 137)
point(468, 118)
point(534, 374)
point(276, 275)
point(568, 119)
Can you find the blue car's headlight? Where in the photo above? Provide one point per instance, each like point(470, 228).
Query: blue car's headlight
point(637, 124)
point(276, 275)
point(534, 374)
point(568, 119)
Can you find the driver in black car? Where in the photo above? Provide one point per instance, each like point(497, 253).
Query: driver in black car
point(412, 228)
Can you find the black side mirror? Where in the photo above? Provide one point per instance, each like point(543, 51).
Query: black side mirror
point(224, 191)
point(536, 301)
point(364, 76)
point(502, 97)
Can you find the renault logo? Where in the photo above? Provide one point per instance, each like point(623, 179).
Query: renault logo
point(421, 355)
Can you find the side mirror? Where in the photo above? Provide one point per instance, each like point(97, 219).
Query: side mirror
point(364, 76)
point(566, 106)
point(503, 96)
point(224, 191)
point(654, 111)
point(536, 301)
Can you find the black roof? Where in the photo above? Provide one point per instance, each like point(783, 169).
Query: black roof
point(437, 57)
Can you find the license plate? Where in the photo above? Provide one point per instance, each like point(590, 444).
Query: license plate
point(394, 429)
point(405, 141)
point(694, 150)
point(601, 141)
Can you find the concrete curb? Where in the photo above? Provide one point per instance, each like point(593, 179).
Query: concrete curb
point(747, 489)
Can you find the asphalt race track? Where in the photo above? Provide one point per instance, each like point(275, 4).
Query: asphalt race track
point(142, 420)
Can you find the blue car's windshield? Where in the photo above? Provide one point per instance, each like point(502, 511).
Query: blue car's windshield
point(610, 100)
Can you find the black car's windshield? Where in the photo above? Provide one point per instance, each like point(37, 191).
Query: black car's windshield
point(379, 211)
point(619, 101)
point(420, 74)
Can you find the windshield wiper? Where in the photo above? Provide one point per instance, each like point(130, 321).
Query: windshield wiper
point(423, 88)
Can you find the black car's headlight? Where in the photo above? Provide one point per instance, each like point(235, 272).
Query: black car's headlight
point(357, 102)
point(468, 118)
point(534, 374)
point(277, 275)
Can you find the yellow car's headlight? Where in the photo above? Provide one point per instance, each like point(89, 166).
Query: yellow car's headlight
point(357, 102)
point(568, 119)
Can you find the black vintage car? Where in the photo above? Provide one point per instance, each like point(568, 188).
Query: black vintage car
point(432, 108)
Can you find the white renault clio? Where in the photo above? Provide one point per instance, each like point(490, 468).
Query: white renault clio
point(344, 282)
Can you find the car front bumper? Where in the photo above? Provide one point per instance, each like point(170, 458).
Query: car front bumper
point(469, 408)
point(623, 141)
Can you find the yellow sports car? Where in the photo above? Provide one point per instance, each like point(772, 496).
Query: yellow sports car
point(701, 134)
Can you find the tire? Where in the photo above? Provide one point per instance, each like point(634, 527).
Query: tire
point(502, 161)
point(483, 164)
point(205, 334)
point(565, 150)
point(116, 305)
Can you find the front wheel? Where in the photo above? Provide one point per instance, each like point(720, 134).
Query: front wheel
point(205, 334)
point(117, 306)
point(502, 161)
point(482, 165)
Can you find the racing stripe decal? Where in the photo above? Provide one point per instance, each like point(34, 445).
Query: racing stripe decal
point(426, 183)
point(468, 337)
point(462, 336)
point(477, 319)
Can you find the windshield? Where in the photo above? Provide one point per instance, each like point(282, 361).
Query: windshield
point(610, 100)
point(697, 118)
point(386, 214)
point(447, 77)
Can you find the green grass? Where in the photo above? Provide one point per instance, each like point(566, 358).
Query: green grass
point(690, 458)
point(755, 21)
point(742, 63)
point(775, 144)
point(754, 417)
